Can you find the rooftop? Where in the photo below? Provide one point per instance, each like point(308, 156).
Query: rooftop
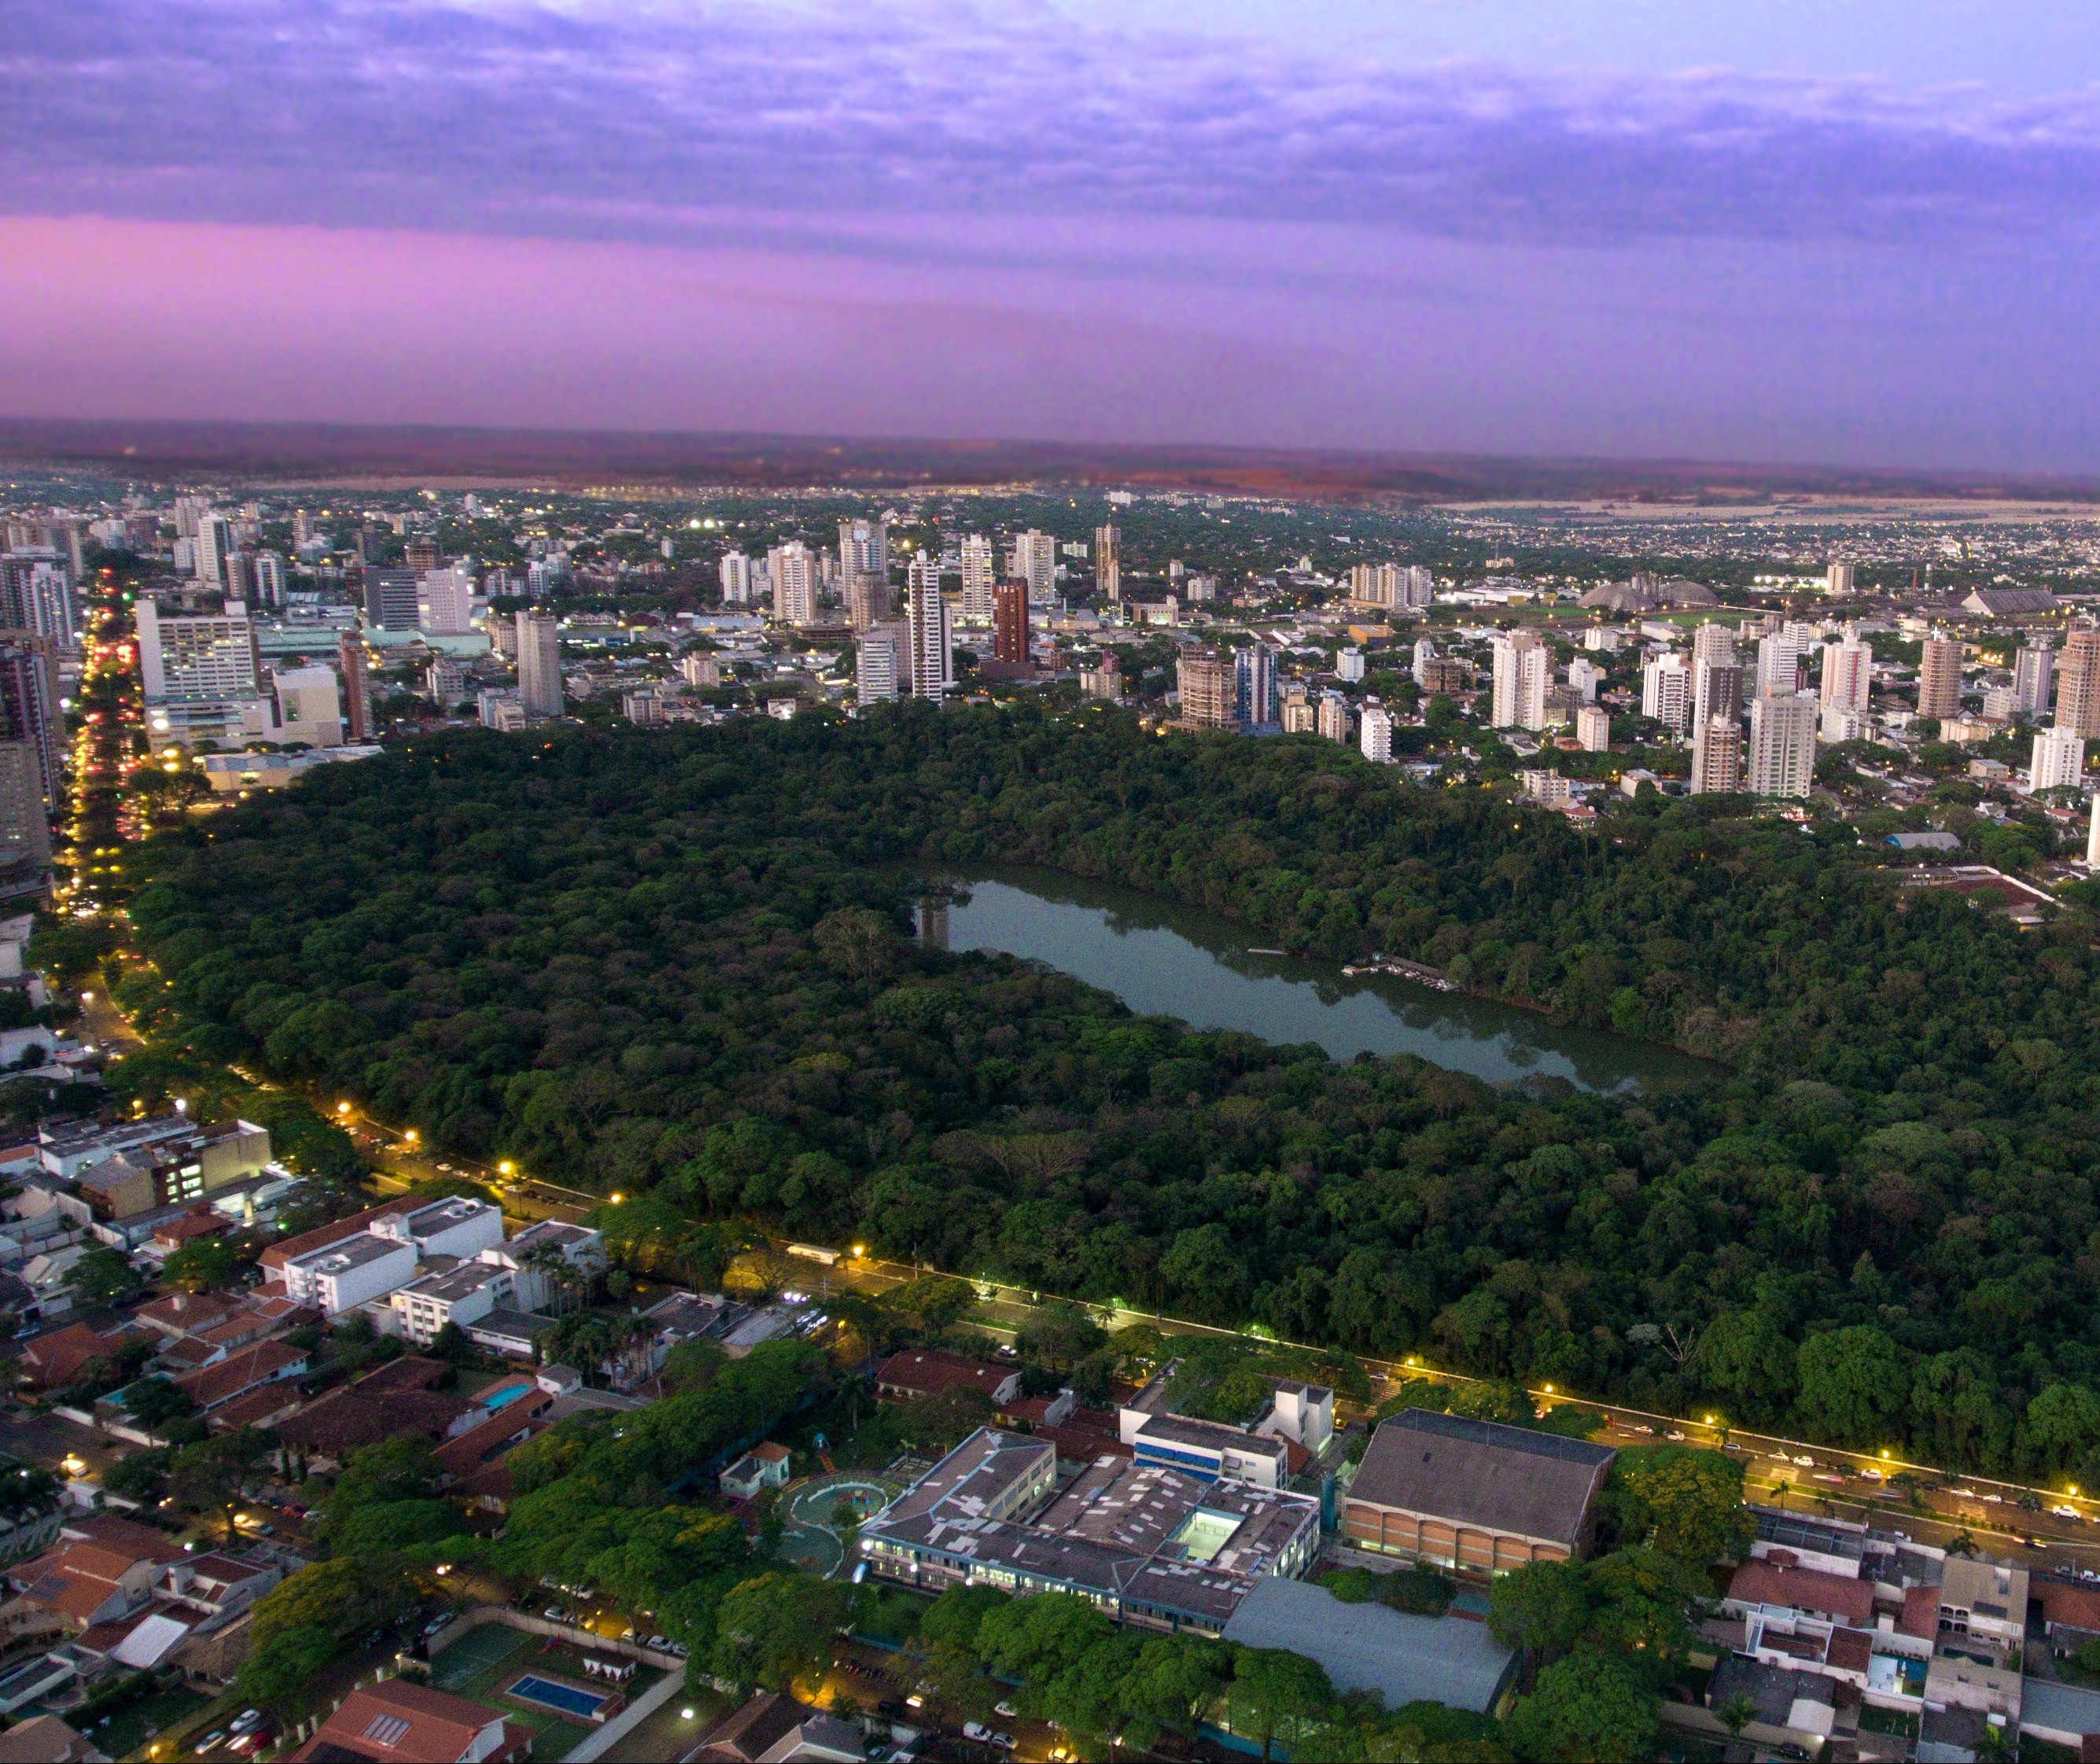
point(1504, 1479)
point(1407, 1659)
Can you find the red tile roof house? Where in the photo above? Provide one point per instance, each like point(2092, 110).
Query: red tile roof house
point(401, 1723)
point(1811, 1591)
point(83, 1584)
point(926, 1372)
point(215, 1385)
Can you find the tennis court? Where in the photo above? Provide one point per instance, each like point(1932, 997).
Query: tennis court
point(474, 1653)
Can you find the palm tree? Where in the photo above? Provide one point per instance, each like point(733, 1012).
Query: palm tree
point(1736, 1713)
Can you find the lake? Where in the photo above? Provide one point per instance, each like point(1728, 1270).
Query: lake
point(1162, 959)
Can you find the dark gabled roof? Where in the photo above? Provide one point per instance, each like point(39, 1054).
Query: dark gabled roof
point(1481, 1473)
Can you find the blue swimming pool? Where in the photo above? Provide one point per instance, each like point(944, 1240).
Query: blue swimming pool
point(510, 1393)
point(564, 1699)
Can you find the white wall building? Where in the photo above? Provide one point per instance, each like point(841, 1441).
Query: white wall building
point(979, 579)
point(1782, 750)
point(1375, 738)
point(2059, 759)
point(341, 1277)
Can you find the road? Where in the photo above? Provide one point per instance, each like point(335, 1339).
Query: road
point(1932, 1506)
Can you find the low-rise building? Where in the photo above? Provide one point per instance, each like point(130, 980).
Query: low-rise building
point(1475, 1497)
point(1404, 1657)
point(171, 1169)
point(930, 1371)
point(415, 1725)
point(763, 1466)
point(1145, 1544)
point(342, 1276)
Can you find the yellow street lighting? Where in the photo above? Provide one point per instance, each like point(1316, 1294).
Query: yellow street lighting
point(342, 1108)
point(507, 1167)
point(618, 1198)
point(860, 1249)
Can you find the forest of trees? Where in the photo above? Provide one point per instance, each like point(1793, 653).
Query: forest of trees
point(679, 962)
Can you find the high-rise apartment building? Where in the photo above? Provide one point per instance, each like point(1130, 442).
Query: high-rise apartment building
point(933, 647)
point(1523, 670)
point(1782, 750)
point(1033, 559)
point(1593, 727)
point(1716, 690)
point(1374, 734)
point(1009, 628)
point(879, 667)
point(1254, 687)
point(1208, 685)
point(1848, 672)
point(2058, 761)
point(1837, 580)
point(392, 599)
point(1108, 562)
point(29, 713)
point(270, 578)
point(1103, 680)
point(445, 602)
point(1666, 691)
point(864, 550)
point(213, 540)
point(539, 665)
point(197, 656)
point(350, 663)
point(421, 555)
point(1717, 757)
point(25, 825)
point(36, 595)
point(1374, 585)
point(1333, 717)
point(1939, 678)
point(979, 582)
point(793, 570)
point(736, 569)
point(868, 599)
point(2033, 672)
point(1778, 664)
point(2078, 683)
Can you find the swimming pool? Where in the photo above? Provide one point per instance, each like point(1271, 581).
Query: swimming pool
point(510, 1393)
point(563, 1699)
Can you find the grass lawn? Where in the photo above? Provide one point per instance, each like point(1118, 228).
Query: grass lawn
point(129, 1730)
point(667, 1733)
point(484, 1661)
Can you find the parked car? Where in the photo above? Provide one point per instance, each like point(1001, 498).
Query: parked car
point(1006, 1709)
point(2066, 1512)
point(215, 1737)
point(555, 1614)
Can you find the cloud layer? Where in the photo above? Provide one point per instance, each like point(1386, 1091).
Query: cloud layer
point(680, 123)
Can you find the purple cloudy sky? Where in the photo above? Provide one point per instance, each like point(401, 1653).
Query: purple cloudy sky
point(1853, 232)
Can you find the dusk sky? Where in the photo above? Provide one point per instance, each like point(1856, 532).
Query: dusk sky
point(1853, 231)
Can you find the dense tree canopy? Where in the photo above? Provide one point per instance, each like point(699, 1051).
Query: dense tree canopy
point(676, 964)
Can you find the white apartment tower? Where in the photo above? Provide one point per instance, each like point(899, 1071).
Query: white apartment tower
point(1376, 737)
point(1848, 669)
point(735, 579)
point(1333, 717)
point(2033, 675)
point(979, 582)
point(1034, 560)
point(1593, 727)
point(933, 648)
point(1837, 580)
point(1666, 691)
point(1782, 754)
point(1523, 669)
point(878, 670)
point(793, 568)
point(2059, 760)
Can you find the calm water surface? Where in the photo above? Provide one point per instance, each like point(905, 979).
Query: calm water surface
point(1162, 959)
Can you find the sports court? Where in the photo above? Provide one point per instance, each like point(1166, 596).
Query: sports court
point(474, 1653)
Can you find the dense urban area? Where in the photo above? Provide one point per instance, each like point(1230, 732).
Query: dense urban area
point(527, 1235)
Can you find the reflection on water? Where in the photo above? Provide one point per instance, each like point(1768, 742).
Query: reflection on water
point(1163, 960)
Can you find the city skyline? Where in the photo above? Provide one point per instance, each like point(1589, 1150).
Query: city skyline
point(1802, 240)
